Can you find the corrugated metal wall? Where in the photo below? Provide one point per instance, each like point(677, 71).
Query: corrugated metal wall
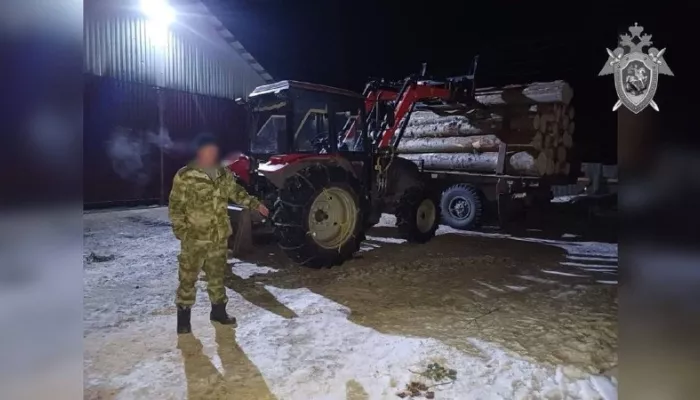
point(185, 115)
point(146, 101)
point(194, 58)
point(137, 136)
point(119, 48)
point(120, 162)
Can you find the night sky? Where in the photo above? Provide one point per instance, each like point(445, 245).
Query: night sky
point(342, 43)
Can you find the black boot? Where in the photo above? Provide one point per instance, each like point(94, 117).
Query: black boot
point(183, 320)
point(218, 314)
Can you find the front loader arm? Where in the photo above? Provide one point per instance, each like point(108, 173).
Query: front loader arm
point(439, 96)
point(412, 93)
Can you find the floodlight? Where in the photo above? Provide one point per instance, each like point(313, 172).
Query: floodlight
point(160, 16)
point(158, 11)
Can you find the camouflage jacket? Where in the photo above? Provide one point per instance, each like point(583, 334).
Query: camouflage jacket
point(198, 204)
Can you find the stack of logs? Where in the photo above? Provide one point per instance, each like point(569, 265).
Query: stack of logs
point(535, 121)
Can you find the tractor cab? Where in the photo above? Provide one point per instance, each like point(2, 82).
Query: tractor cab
point(291, 117)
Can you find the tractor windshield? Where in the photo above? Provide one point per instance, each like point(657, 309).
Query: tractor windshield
point(303, 119)
point(269, 123)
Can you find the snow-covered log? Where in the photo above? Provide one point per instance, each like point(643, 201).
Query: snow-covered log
point(513, 128)
point(531, 93)
point(459, 144)
point(521, 163)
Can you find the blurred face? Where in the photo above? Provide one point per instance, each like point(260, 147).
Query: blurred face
point(208, 156)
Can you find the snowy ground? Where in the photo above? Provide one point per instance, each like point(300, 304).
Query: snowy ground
point(517, 317)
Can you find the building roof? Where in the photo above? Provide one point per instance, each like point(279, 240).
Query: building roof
point(199, 7)
point(283, 85)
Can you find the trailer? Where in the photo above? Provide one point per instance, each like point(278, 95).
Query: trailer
point(469, 198)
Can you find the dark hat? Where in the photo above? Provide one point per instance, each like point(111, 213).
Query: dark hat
point(204, 139)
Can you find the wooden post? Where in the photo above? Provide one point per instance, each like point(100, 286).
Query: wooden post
point(594, 173)
point(501, 164)
point(635, 139)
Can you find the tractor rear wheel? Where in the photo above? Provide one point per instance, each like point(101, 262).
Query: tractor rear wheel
point(318, 216)
point(417, 215)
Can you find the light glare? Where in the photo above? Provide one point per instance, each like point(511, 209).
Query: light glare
point(157, 33)
point(158, 11)
point(160, 16)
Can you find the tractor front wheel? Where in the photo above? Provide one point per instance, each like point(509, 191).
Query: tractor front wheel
point(318, 216)
point(417, 215)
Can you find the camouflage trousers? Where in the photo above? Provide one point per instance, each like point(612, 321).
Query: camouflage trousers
point(195, 256)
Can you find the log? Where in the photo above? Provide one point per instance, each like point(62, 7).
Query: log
point(447, 129)
point(545, 122)
point(561, 153)
point(541, 164)
point(551, 167)
point(537, 141)
point(517, 129)
point(548, 140)
point(567, 140)
point(549, 153)
point(533, 93)
point(429, 117)
point(557, 112)
point(458, 144)
point(555, 128)
point(520, 163)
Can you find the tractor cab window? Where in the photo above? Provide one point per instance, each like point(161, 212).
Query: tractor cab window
point(349, 131)
point(268, 125)
point(266, 138)
point(313, 132)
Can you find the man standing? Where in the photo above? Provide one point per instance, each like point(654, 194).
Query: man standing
point(199, 216)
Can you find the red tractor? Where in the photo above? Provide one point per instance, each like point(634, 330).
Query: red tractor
point(323, 160)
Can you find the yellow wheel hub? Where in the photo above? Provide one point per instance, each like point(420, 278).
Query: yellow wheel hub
point(425, 215)
point(332, 218)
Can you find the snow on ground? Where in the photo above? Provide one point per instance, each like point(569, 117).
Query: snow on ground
point(297, 343)
point(245, 269)
point(596, 258)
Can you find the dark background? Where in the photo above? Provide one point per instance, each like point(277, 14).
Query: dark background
point(342, 43)
point(41, 68)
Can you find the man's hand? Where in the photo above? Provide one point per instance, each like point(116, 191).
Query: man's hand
point(263, 210)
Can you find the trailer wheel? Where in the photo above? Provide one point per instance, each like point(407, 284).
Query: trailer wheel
point(318, 216)
point(417, 215)
point(462, 206)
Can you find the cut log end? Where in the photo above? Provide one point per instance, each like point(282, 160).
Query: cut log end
point(537, 141)
point(567, 140)
point(561, 153)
